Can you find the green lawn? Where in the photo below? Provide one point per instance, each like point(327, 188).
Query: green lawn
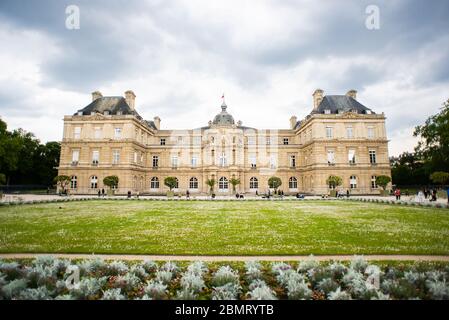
point(224, 228)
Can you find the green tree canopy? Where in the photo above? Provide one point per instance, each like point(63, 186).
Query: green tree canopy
point(440, 177)
point(111, 181)
point(383, 181)
point(2, 178)
point(170, 182)
point(434, 139)
point(274, 183)
point(334, 181)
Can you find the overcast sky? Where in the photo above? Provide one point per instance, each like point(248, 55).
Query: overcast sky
point(180, 56)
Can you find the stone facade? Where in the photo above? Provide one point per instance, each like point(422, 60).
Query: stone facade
point(339, 137)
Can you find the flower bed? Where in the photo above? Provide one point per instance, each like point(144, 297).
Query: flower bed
point(49, 278)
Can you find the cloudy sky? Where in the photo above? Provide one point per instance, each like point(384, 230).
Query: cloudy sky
point(180, 56)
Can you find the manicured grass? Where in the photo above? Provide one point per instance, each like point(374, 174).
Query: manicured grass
point(224, 228)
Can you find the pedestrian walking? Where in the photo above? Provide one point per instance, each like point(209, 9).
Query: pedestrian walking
point(102, 192)
point(99, 193)
point(187, 194)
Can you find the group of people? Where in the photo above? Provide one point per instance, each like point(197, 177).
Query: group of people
point(341, 193)
point(422, 195)
point(101, 193)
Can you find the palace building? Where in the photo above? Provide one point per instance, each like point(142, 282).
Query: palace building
point(340, 137)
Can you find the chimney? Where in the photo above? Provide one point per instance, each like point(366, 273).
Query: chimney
point(352, 94)
point(96, 95)
point(293, 121)
point(239, 123)
point(130, 99)
point(317, 98)
point(157, 122)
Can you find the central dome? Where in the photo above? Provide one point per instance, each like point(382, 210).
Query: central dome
point(223, 118)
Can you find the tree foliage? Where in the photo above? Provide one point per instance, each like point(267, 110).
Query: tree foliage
point(440, 177)
point(111, 181)
point(434, 139)
point(334, 181)
point(383, 181)
point(170, 182)
point(24, 160)
point(274, 182)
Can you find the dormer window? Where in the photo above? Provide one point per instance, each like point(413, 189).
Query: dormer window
point(80, 113)
point(106, 112)
point(119, 113)
point(327, 111)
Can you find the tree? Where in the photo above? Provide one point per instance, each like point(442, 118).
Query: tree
point(2, 178)
point(383, 181)
point(111, 181)
point(234, 182)
point(334, 181)
point(211, 184)
point(62, 181)
point(434, 139)
point(439, 177)
point(409, 169)
point(171, 182)
point(274, 183)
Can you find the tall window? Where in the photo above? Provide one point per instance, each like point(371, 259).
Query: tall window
point(196, 140)
point(268, 140)
point(253, 183)
point(97, 133)
point(154, 183)
point(75, 156)
point(194, 161)
point(372, 156)
point(223, 161)
point(95, 157)
point(193, 183)
point(251, 140)
point(253, 160)
point(273, 161)
point(223, 184)
point(155, 161)
point(285, 141)
point(373, 182)
point(330, 157)
point(351, 156)
point(349, 133)
point(293, 183)
point(94, 182)
point(117, 133)
point(162, 141)
point(353, 182)
point(115, 156)
point(73, 182)
point(292, 161)
point(77, 132)
point(174, 161)
point(329, 132)
point(135, 157)
point(370, 132)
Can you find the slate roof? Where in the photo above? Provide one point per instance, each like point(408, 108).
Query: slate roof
point(341, 103)
point(223, 118)
point(110, 104)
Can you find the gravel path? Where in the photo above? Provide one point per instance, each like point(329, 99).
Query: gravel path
point(224, 258)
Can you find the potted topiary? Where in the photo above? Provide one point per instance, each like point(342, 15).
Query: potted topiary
point(211, 184)
point(383, 181)
point(333, 182)
point(234, 182)
point(112, 183)
point(274, 183)
point(62, 182)
point(171, 183)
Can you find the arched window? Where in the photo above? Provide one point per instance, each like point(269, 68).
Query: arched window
point(353, 182)
point(253, 183)
point(193, 183)
point(73, 182)
point(293, 183)
point(154, 183)
point(94, 182)
point(223, 184)
point(177, 183)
